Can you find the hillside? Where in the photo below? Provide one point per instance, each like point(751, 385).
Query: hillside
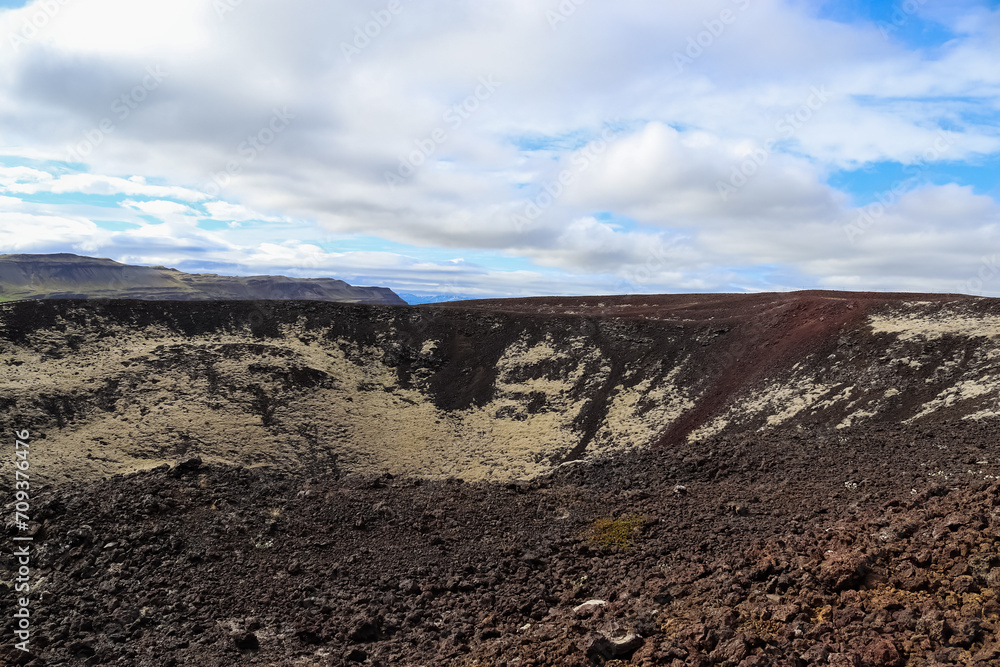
point(67, 276)
point(734, 480)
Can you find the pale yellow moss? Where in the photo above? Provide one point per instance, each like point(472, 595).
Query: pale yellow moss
point(363, 415)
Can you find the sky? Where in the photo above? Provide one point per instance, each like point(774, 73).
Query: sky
point(511, 147)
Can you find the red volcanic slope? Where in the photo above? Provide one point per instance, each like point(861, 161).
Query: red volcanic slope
point(773, 330)
point(695, 307)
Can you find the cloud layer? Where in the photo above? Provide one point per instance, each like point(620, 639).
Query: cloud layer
point(506, 146)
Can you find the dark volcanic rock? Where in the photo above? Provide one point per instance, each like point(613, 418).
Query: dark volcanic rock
point(208, 579)
point(808, 532)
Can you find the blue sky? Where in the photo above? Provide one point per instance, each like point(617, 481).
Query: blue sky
point(895, 19)
point(727, 145)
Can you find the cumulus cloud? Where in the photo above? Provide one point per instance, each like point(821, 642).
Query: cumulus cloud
point(24, 232)
point(24, 180)
point(221, 210)
point(160, 208)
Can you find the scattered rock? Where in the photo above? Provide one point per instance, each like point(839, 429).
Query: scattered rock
point(188, 464)
point(246, 641)
point(621, 646)
point(881, 653)
point(588, 607)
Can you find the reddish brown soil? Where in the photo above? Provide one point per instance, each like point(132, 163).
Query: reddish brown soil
point(693, 307)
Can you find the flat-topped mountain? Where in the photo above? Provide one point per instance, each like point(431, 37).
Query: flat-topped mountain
point(68, 276)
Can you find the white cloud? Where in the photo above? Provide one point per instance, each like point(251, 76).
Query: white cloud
point(33, 181)
point(666, 177)
point(10, 203)
point(12, 176)
point(160, 208)
point(24, 232)
point(221, 210)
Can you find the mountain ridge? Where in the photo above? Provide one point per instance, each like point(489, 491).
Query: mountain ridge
point(70, 276)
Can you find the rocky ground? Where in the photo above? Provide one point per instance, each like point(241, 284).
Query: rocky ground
point(791, 547)
point(794, 479)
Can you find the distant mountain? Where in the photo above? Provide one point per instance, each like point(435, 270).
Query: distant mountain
point(68, 276)
point(415, 299)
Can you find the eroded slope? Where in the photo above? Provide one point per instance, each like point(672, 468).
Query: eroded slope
point(117, 386)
